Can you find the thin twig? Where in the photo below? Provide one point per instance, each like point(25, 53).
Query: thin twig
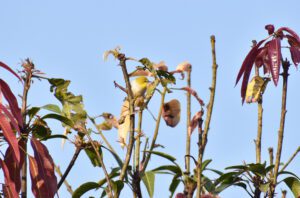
point(102, 136)
point(68, 186)
point(291, 159)
point(96, 149)
point(71, 164)
point(145, 163)
point(188, 120)
point(209, 111)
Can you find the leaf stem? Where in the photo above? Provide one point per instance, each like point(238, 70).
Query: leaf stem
point(210, 105)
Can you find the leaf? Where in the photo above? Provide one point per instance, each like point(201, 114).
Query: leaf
point(37, 184)
point(3, 65)
point(171, 112)
point(10, 184)
point(14, 166)
point(205, 164)
point(270, 28)
point(264, 187)
point(40, 129)
point(274, 54)
point(246, 68)
point(193, 93)
point(196, 120)
point(11, 117)
point(295, 54)
point(117, 158)
point(288, 173)
point(12, 101)
point(148, 179)
point(10, 137)
point(173, 186)
point(164, 155)
point(174, 169)
point(54, 136)
point(257, 169)
point(52, 107)
point(290, 31)
point(85, 187)
point(124, 126)
point(61, 118)
point(93, 156)
point(33, 111)
point(117, 186)
point(294, 185)
point(45, 167)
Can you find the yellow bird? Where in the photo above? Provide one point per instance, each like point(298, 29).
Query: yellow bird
point(138, 87)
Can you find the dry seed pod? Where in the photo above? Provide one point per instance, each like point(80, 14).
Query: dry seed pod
point(171, 112)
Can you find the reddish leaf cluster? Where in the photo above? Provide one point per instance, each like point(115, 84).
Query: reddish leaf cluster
point(44, 182)
point(269, 55)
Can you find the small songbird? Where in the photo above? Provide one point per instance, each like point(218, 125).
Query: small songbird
point(139, 86)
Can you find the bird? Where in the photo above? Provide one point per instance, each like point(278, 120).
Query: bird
point(139, 86)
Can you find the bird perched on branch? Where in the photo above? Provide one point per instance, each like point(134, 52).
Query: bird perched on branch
point(138, 87)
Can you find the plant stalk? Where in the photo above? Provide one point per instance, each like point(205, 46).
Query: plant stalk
point(122, 59)
point(69, 188)
point(188, 120)
point(145, 163)
point(28, 79)
point(285, 65)
point(291, 159)
point(210, 105)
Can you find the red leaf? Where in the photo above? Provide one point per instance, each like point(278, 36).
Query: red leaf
point(10, 136)
point(247, 67)
point(290, 31)
point(295, 54)
point(193, 93)
point(10, 189)
point(14, 167)
point(270, 28)
point(10, 70)
point(194, 122)
point(45, 167)
point(259, 60)
point(10, 116)
point(12, 101)
point(38, 186)
point(274, 54)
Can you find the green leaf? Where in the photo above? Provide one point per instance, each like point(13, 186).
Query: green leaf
point(54, 136)
point(40, 129)
point(117, 186)
point(208, 185)
point(288, 173)
point(52, 107)
point(264, 187)
point(117, 158)
point(114, 173)
point(174, 169)
point(83, 188)
point(148, 179)
point(241, 167)
point(258, 169)
point(173, 186)
point(164, 155)
point(61, 118)
point(32, 112)
point(93, 156)
point(215, 171)
point(205, 164)
point(294, 185)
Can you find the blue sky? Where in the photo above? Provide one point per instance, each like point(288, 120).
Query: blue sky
point(67, 39)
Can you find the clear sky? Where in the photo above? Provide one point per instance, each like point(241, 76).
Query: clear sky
point(67, 39)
